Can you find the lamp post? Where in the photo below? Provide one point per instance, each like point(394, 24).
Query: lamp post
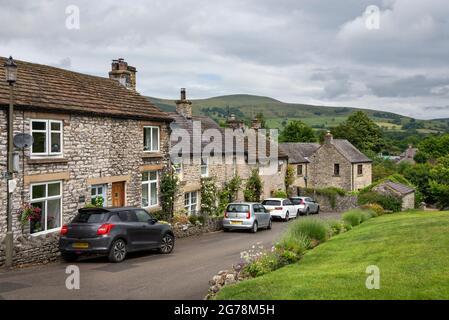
point(11, 78)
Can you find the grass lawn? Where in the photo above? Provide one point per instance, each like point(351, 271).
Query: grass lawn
point(410, 249)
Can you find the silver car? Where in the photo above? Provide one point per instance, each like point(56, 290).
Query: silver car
point(246, 215)
point(305, 205)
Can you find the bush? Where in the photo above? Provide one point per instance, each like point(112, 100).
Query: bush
point(314, 229)
point(367, 214)
point(161, 215)
point(336, 226)
point(385, 201)
point(279, 194)
point(331, 193)
point(181, 218)
point(376, 208)
point(353, 217)
point(265, 264)
point(294, 242)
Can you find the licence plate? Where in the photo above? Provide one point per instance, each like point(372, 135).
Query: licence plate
point(80, 245)
point(236, 222)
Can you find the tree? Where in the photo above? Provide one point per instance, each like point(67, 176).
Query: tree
point(254, 187)
point(169, 187)
point(433, 147)
point(297, 131)
point(439, 182)
point(361, 131)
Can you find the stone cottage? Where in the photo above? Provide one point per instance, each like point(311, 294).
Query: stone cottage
point(399, 190)
point(93, 137)
point(335, 163)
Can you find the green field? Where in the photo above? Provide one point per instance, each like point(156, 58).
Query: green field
point(410, 249)
point(278, 113)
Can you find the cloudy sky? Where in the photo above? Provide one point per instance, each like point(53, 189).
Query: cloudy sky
point(305, 51)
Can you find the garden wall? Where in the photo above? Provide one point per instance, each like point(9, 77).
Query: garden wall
point(339, 204)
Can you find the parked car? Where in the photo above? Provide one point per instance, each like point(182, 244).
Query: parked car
point(246, 215)
point(114, 232)
point(305, 205)
point(280, 208)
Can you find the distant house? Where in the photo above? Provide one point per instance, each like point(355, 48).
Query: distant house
point(335, 163)
point(408, 155)
point(405, 193)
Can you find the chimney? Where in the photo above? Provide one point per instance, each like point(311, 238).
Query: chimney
point(123, 73)
point(184, 106)
point(234, 123)
point(256, 124)
point(328, 138)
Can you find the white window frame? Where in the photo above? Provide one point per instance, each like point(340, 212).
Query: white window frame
point(46, 199)
point(188, 207)
point(104, 194)
point(151, 135)
point(148, 184)
point(205, 165)
point(48, 131)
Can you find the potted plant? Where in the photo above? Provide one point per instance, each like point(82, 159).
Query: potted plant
point(31, 215)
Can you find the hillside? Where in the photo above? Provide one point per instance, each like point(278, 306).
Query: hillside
point(277, 113)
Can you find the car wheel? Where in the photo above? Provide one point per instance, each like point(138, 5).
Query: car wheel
point(318, 210)
point(69, 257)
point(226, 230)
point(118, 251)
point(270, 225)
point(167, 244)
point(298, 213)
point(255, 227)
point(287, 216)
point(307, 211)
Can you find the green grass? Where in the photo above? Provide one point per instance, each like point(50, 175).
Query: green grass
point(410, 249)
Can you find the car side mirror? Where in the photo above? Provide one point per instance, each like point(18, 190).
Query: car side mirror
point(152, 221)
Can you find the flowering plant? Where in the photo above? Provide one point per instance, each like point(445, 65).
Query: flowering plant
point(30, 213)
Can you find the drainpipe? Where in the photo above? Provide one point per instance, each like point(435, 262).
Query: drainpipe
point(9, 232)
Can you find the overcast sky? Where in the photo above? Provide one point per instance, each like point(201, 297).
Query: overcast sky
point(304, 51)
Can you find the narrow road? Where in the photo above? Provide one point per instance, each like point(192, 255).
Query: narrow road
point(184, 274)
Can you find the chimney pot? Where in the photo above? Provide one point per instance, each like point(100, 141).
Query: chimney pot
point(328, 138)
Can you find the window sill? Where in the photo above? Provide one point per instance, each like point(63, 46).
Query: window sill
point(150, 154)
point(42, 233)
point(46, 160)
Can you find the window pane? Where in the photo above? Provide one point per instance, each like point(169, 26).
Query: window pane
point(193, 197)
point(186, 199)
point(39, 125)
point(145, 195)
point(153, 175)
point(155, 139)
point(55, 142)
point(54, 189)
point(147, 139)
point(40, 143)
point(38, 192)
point(56, 126)
point(142, 216)
point(93, 191)
point(145, 176)
point(53, 214)
point(153, 187)
point(37, 218)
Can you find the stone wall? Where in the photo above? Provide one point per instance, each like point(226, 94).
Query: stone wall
point(211, 224)
point(408, 201)
point(342, 203)
point(96, 150)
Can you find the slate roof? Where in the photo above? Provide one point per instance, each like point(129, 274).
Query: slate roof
point(208, 123)
point(55, 89)
point(349, 151)
point(298, 152)
point(399, 187)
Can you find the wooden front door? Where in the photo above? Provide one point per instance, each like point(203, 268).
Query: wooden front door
point(118, 194)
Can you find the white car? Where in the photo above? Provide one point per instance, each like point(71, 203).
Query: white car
point(281, 208)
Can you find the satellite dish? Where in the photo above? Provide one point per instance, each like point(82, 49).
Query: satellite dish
point(23, 140)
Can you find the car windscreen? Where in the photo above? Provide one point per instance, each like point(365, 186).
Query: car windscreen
point(91, 217)
point(237, 208)
point(296, 201)
point(271, 203)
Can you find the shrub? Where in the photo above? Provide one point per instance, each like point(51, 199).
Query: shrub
point(314, 229)
point(294, 242)
point(336, 226)
point(181, 217)
point(347, 226)
point(366, 215)
point(279, 194)
point(161, 215)
point(353, 217)
point(386, 201)
point(263, 265)
point(254, 187)
point(376, 208)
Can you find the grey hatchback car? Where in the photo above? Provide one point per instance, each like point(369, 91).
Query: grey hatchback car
point(114, 232)
point(246, 215)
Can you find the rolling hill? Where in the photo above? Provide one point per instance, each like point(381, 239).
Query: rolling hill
point(278, 113)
